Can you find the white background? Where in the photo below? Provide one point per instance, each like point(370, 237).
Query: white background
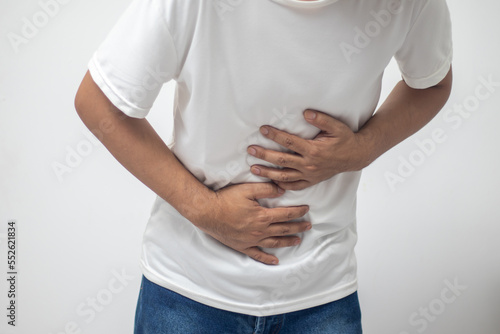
point(78, 231)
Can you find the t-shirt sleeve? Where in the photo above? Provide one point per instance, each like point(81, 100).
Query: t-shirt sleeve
point(426, 54)
point(137, 57)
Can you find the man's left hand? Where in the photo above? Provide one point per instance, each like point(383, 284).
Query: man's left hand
point(336, 149)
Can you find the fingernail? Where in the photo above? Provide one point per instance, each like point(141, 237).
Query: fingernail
point(308, 227)
point(264, 131)
point(281, 191)
point(296, 242)
point(256, 170)
point(274, 262)
point(252, 151)
point(311, 115)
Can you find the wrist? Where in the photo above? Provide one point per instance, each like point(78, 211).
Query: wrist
point(203, 208)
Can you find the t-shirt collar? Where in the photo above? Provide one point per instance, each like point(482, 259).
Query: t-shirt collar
point(305, 4)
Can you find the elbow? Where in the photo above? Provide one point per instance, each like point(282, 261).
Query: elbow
point(79, 103)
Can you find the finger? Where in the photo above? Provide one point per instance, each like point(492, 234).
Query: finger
point(260, 256)
point(277, 174)
point(324, 121)
point(284, 214)
point(260, 190)
point(296, 185)
point(281, 159)
point(280, 242)
point(285, 139)
point(287, 229)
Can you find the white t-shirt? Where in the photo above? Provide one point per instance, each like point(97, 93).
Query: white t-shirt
point(239, 65)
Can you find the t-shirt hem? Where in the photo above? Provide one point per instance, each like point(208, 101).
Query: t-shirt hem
point(119, 102)
point(259, 310)
point(433, 79)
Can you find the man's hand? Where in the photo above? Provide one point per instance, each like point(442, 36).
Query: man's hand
point(238, 221)
point(231, 215)
point(336, 149)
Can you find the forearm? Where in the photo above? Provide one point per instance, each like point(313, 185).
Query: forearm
point(137, 146)
point(404, 112)
point(230, 215)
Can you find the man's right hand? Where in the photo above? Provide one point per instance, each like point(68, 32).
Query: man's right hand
point(231, 215)
point(241, 223)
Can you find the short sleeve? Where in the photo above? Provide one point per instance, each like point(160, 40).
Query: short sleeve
point(137, 57)
point(426, 54)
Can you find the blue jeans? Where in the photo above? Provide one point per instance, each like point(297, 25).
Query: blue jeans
point(162, 311)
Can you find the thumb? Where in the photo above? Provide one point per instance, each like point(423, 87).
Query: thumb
point(324, 122)
point(258, 255)
point(261, 190)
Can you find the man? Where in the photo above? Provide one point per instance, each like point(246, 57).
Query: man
point(254, 228)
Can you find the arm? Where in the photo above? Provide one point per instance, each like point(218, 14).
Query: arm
point(403, 113)
point(337, 149)
point(231, 215)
